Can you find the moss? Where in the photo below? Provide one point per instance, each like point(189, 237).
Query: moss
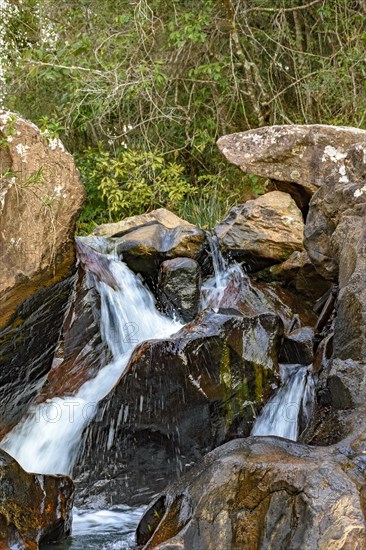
point(258, 370)
point(225, 372)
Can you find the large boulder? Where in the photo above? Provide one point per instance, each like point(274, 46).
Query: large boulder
point(34, 509)
point(146, 240)
point(40, 197)
point(176, 400)
point(335, 241)
point(268, 229)
point(261, 493)
point(301, 156)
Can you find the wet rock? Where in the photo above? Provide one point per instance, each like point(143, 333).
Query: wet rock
point(297, 347)
point(298, 274)
point(179, 286)
point(28, 345)
point(243, 296)
point(41, 184)
point(34, 509)
point(303, 155)
point(176, 400)
point(268, 228)
point(260, 493)
point(147, 240)
point(82, 351)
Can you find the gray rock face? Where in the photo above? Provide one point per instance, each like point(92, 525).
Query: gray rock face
point(269, 228)
point(179, 286)
point(300, 154)
point(260, 493)
point(339, 202)
point(335, 240)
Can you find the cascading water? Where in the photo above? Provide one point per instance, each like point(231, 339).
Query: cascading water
point(47, 441)
point(213, 290)
point(281, 415)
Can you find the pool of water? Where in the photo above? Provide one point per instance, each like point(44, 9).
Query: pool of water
point(112, 529)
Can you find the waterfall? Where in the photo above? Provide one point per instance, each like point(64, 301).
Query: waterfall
point(47, 441)
point(214, 288)
point(291, 404)
point(282, 414)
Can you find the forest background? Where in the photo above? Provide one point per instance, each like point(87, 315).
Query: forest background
point(139, 91)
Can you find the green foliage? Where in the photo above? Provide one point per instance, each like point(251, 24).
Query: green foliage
point(156, 83)
point(127, 183)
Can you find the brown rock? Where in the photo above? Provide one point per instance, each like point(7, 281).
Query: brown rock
point(82, 349)
point(161, 216)
point(34, 509)
point(301, 154)
point(145, 241)
point(40, 196)
point(260, 493)
point(299, 274)
point(269, 228)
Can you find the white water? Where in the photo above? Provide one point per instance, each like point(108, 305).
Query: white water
point(47, 441)
point(281, 415)
point(213, 290)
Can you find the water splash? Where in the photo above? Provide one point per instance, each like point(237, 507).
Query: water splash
point(282, 414)
point(47, 441)
point(214, 288)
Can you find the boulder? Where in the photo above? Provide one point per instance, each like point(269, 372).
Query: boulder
point(40, 197)
point(34, 509)
point(145, 241)
point(243, 296)
point(297, 273)
point(261, 493)
point(346, 384)
point(300, 155)
point(340, 201)
point(179, 287)
point(297, 347)
point(269, 228)
point(176, 400)
point(335, 240)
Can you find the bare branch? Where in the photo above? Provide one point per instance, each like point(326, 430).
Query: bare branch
point(294, 8)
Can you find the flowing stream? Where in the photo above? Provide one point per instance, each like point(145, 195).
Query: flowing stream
point(281, 416)
point(291, 403)
point(47, 440)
